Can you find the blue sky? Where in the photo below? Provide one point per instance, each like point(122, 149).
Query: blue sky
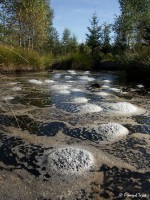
point(75, 14)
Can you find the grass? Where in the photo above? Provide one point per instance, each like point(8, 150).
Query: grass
point(18, 59)
point(136, 63)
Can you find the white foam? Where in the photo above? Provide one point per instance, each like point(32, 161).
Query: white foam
point(70, 81)
point(49, 81)
point(86, 78)
point(8, 98)
point(87, 72)
point(111, 131)
point(72, 72)
point(89, 108)
point(34, 81)
point(76, 90)
point(115, 89)
point(16, 88)
point(63, 91)
point(80, 100)
point(124, 107)
point(140, 86)
point(105, 86)
point(13, 83)
point(106, 81)
point(68, 77)
point(103, 94)
point(69, 160)
point(60, 87)
point(57, 76)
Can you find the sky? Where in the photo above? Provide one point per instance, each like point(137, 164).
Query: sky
point(75, 14)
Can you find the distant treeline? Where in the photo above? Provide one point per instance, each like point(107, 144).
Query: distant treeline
point(27, 26)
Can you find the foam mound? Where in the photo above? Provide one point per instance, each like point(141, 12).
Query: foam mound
point(140, 86)
point(8, 98)
point(68, 77)
point(70, 160)
point(111, 131)
point(16, 88)
point(57, 76)
point(103, 94)
point(76, 90)
point(49, 81)
point(87, 72)
point(80, 100)
point(63, 91)
point(86, 78)
point(105, 86)
point(124, 107)
point(89, 108)
point(106, 81)
point(115, 89)
point(34, 81)
point(59, 87)
point(72, 72)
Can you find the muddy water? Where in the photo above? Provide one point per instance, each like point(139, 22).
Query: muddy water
point(98, 118)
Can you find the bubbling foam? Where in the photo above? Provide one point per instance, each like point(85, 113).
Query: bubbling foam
point(63, 91)
point(70, 160)
point(89, 108)
point(16, 88)
point(60, 87)
point(80, 100)
point(103, 94)
point(111, 131)
point(34, 81)
point(49, 81)
point(124, 107)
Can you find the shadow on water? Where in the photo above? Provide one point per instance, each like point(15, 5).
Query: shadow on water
point(18, 155)
point(117, 183)
point(34, 127)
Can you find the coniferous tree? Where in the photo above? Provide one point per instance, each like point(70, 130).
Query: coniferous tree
point(94, 37)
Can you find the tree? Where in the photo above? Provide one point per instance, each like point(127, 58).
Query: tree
point(53, 42)
point(93, 39)
point(130, 25)
point(106, 47)
point(66, 40)
point(28, 22)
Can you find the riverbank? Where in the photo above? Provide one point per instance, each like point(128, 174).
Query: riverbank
point(15, 59)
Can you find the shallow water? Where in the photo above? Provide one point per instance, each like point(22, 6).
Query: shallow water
point(44, 112)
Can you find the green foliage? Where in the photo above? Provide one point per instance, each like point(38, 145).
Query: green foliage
point(23, 59)
point(106, 46)
point(94, 37)
point(26, 23)
point(69, 42)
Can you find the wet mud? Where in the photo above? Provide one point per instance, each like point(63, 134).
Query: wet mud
point(52, 147)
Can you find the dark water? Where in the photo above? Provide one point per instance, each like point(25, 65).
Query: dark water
point(42, 111)
point(26, 95)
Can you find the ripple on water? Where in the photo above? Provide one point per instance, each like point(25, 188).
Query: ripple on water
point(69, 160)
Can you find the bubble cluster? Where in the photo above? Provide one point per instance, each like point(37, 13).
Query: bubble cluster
point(69, 160)
point(49, 81)
point(80, 100)
point(89, 108)
point(34, 81)
point(124, 107)
point(111, 131)
point(60, 87)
